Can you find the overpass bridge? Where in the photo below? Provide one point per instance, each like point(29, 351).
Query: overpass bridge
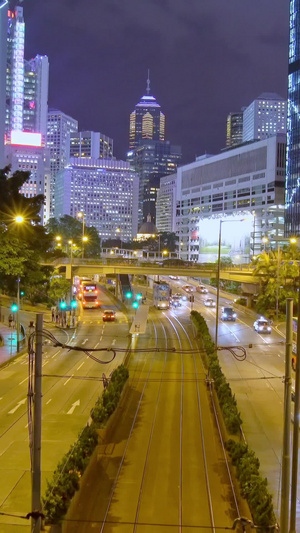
point(89, 267)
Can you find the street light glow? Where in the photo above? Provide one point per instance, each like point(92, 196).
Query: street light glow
point(85, 238)
point(19, 219)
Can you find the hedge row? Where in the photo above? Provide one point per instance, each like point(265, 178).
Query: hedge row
point(253, 486)
point(65, 481)
point(227, 401)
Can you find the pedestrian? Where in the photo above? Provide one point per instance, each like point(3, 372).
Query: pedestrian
point(10, 320)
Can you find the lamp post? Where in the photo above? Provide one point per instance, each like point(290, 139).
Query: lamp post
point(218, 274)
point(118, 230)
point(18, 318)
point(84, 239)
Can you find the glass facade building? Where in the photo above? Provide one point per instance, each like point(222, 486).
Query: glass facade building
point(292, 198)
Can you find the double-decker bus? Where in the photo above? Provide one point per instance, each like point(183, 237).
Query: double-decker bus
point(89, 296)
point(161, 295)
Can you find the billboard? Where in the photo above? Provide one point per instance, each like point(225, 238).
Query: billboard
point(25, 138)
point(236, 232)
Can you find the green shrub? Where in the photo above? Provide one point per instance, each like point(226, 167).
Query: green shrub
point(253, 487)
point(65, 481)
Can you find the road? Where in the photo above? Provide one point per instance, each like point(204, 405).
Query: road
point(71, 385)
point(163, 467)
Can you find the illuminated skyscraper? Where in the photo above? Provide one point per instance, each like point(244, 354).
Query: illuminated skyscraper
point(234, 132)
point(36, 82)
point(264, 117)
point(292, 185)
point(15, 70)
point(90, 144)
point(3, 49)
point(147, 122)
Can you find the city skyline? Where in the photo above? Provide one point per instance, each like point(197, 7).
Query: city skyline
point(211, 61)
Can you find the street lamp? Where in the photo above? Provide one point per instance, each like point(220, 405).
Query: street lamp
point(19, 219)
point(82, 215)
point(265, 240)
point(118, 230)
point(218, 274)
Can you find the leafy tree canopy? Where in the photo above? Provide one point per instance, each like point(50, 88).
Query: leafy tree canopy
point(69, 228)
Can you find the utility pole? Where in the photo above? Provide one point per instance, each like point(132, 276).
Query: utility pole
point(36, 521)
point(18, 316)
point(296, 429)
point(286, 457)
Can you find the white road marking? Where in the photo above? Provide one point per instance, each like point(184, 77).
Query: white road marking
point(85, 340)
point(55, 354)
point(113, 342)
point(21, 402)
point(80, 366)
point(68, 379)
point(45, 363)
point(96, 345)
point(49, 401)
point(101, 338)
point(23, 381)
point(74, 405)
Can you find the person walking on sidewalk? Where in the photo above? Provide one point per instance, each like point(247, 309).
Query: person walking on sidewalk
point(10, 320)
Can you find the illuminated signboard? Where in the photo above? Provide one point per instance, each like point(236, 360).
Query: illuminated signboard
point(235, 236)
point(25, 138)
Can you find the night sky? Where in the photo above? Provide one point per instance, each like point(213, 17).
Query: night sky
point(206, 59)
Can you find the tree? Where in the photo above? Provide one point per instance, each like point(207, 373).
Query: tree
point(69, 228)
point(59, 288)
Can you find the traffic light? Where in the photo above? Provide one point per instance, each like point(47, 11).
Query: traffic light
point(63, 305)
point(22, 293)
point(135, 305)
point(73, 304)
point(14, 308)
point(139, 296)
point(128, 295)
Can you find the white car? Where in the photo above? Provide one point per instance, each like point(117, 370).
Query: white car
point(262, 325)
point(182, 297)
point(209, 302)
point(174, 277)
point(201, 289)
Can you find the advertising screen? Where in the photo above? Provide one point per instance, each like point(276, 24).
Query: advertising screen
point(235, 238)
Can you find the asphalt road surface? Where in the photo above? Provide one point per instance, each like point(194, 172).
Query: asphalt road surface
point(71, 384)
point(162, 467)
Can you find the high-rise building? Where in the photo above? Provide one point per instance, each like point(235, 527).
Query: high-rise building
point(146, 121)
point(15, 70)
point(151, 160)
point(106, 191)
point(264, 117)
point(3, 59)
point(246, 182)
point(292, 185)
point(26, 152)
point(90, 144)
point(166, 203)
point(234, 130)
point(59, 126)
point(36, 83)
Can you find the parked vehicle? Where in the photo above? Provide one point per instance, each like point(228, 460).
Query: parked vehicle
point(228, 314)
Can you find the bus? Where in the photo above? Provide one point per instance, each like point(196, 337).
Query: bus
point(89, 296)
point(161, 295)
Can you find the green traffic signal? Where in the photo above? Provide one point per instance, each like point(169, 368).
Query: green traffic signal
point(22, 293)
point(74, 304)
point(63, 305)
point(139, 296)
point(128, 295)
point(135, 305)
point(14, 308)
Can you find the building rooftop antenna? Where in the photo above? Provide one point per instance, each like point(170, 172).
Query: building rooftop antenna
point(148, 82)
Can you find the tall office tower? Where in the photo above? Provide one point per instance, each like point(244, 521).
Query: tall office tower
point(106, 190)
point(166, 204)
point(234, 130)
point(59, 126)
point(15, 70)
point(152, 160)
point(36, 82)
point(146, 121)
point(264, 117)
point(292, 184)
point(25, 151)
point(3, 50)
point(90, 144)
